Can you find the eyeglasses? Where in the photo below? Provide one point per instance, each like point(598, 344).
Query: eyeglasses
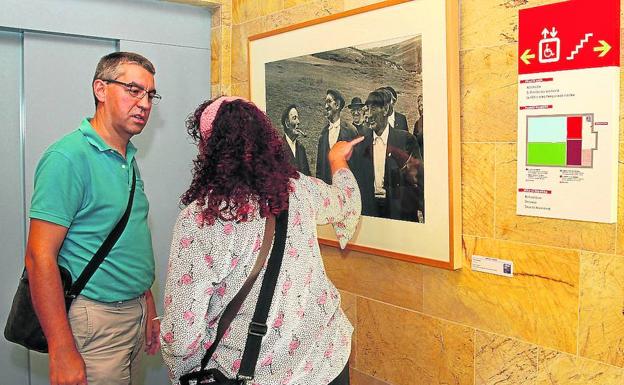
point(137, 91)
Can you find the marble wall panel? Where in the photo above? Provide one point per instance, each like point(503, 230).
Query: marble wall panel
point(240, 36)
point(489, 94)
point(478, 189)
point(601, 318)
point(308, 11)
point(241, 89)
point(294, 3)
point(620, 229)
point(384, 279)
point(348, 302)
point(556, 368)
point(539, 304)
point(403, 347)
point(359, 378)
point(502, 360)
point(215, 55)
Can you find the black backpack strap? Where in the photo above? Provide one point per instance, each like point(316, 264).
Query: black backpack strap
point(232, 308)
point(105, 248)
point(258, 327)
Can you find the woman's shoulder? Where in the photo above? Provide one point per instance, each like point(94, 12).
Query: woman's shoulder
point(304, 181)
point(188, 215)
point(300, 185)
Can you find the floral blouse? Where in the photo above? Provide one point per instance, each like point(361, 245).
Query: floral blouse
point(309, 337)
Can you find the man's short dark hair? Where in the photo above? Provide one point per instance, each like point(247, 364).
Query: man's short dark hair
point(378, 98)
point(337, 97)
point(109, 66)
point(286, 112)
point(387, 95)
point(392, 91)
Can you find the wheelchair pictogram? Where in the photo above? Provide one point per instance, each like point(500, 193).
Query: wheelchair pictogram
point(549, 50)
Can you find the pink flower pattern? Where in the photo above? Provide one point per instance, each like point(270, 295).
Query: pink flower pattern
point(189, 316)
point(293, 252)
point(322, 300)
point(287, 377)
point(286, 286)
point(293, 345)
point(257, 244)
point(297, 219)
point(329, 352)
point(187, 278)
point(308, 278)
point(236, 365)
point(199, 219)
point(268, 361)
point(209, 260)
point(185, 243)
point(168, 337)
point(205, 272)
point(278, 323)
point(234, 261)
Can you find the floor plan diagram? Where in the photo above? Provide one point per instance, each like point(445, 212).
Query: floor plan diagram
point(561, 140)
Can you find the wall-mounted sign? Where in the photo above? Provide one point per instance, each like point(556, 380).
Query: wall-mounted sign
point(568, 110)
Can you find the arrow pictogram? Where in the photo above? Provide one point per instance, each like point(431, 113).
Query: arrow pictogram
point(553, 32)
point(603, 48)
point(526, 56)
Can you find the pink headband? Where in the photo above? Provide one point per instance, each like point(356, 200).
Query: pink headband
point(209, 114)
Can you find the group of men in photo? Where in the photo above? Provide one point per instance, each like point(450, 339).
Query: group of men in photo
point(388, 164)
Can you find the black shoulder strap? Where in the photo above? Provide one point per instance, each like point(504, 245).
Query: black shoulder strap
point(258, 327)
point(106, 247)
point(232, 308)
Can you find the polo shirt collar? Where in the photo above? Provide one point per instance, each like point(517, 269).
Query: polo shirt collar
point(96, 140)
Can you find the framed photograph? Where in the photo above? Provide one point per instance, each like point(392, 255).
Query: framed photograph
point(375, 71)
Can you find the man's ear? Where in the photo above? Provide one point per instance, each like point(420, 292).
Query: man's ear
point(99, 90)
point(386, 109)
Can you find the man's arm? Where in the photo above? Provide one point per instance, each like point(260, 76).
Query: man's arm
point(44, 241)
point(152, 325)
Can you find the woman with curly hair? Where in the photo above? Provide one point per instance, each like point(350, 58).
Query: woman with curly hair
point(242, 180)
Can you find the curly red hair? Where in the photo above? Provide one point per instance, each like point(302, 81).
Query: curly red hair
point(240, 166)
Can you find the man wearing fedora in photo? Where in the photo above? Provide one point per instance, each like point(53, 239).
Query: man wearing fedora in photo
point(357, 113)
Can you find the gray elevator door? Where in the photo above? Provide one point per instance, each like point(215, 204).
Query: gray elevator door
point(13, 359)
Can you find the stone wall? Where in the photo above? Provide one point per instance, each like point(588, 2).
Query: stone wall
point(558, 321)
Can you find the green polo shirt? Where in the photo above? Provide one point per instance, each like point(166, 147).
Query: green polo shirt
point(83, 184)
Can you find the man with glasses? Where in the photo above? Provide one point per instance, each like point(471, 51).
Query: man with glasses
point(82, 187)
